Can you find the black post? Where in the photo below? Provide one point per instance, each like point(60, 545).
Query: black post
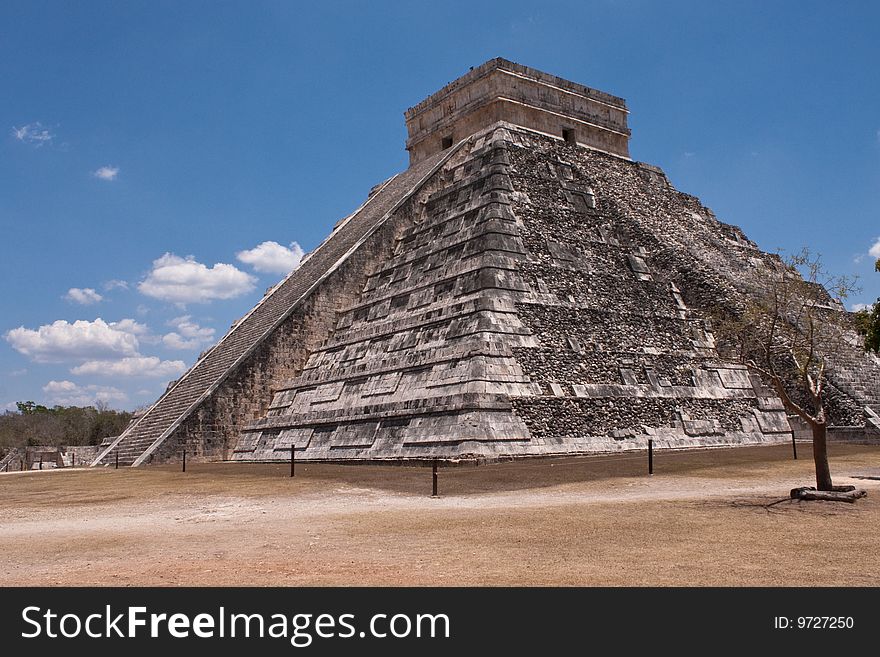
point(434, 492)
point(650, 456)
point(21, 464)
point(73, 460)
point(292, 460)
point(793, 446)
point(117, 459)
point(184, 460)
point(41, 461)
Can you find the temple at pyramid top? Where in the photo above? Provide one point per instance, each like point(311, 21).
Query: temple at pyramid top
point(500, 90)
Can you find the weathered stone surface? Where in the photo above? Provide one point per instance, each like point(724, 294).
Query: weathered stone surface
point(548, 341)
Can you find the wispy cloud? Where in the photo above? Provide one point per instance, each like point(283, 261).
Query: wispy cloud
point(33, 133)
point(84, 296)
point(874, 251)
point(115, 284)
point(273, 258)
point(856, 307)
point(106, 173)
point(140, 366)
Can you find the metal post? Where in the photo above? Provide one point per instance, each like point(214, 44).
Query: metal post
point(292, 460)
point(793, 446)
point(434, 493)
point(650, 456)
point(41, 461)
point(73, 460)
point(184, 460)
point(117, 459)
point(21, 464)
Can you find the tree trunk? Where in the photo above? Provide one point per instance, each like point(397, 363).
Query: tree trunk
point(820, 456)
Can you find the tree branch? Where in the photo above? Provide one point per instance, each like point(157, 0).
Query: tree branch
point(788, 402)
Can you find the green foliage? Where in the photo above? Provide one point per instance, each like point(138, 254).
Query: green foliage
point(34, 424)
point(29, 408)
point(868, 323)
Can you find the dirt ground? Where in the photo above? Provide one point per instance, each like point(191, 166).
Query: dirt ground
point(702, 519)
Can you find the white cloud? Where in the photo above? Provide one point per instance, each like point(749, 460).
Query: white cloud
point(856, 307)
point(115, 284)
point(33, 133)
point(54, 387)
point(874, 251)
point(81, 340)
point(106, 173)
point(187, 334)
point(20, 372)
point(98, 348)
point(68, 393)
point(184, 280)
point(142, 366)
point(83, 295)
point(271, 257)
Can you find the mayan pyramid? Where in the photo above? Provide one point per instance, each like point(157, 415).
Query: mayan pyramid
point(523, 288)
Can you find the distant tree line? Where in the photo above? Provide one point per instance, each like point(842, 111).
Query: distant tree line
point(34, 424)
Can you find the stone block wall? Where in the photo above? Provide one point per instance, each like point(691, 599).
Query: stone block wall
point(79, 456)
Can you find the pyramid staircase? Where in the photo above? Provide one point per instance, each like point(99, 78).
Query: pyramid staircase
point(857, 374)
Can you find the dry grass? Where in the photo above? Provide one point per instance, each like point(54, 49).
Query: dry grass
point(702, 519)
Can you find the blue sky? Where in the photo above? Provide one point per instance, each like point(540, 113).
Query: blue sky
point(161, 162)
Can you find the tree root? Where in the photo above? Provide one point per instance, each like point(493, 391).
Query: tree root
point(838, 494)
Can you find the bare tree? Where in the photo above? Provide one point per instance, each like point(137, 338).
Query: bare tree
point(787, 336)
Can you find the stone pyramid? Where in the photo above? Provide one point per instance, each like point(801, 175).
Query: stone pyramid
point(524, 288)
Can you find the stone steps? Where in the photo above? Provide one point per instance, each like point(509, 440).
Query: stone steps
point(857, 374)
